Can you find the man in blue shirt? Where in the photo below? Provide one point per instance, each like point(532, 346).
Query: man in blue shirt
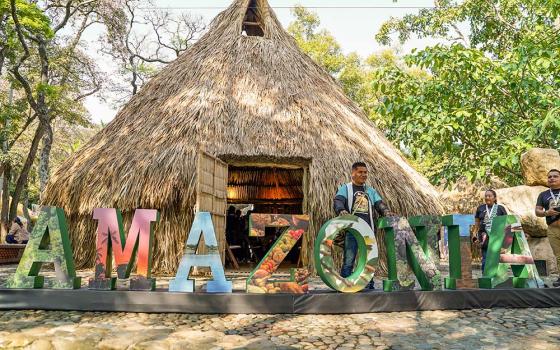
point(358, 199)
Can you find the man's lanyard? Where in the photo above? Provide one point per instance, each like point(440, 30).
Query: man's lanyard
point(554, 197)
point(489, 212)
point(350, 199)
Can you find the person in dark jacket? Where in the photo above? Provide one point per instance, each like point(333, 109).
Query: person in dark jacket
point(358, 199)
point(483, 220)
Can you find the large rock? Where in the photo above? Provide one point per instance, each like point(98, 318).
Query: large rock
point(521, 201)
point(464, 197)
point(535, 164)
point(541, 250)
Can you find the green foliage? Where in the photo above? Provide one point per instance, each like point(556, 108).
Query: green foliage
point(71, 75)
point(320, 45)
point(483, 104)
point(31, 17)
point(465, 109)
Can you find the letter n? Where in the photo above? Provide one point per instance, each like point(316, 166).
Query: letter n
point(404, 253)
point(202, 226)
point(48, 243)
point(112, 240)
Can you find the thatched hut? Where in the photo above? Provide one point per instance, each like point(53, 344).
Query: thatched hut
point(247, 97)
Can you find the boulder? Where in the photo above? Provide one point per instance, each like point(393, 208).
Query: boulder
point(521, 201)
point(541, 250)
point(535, 164)
point(464, 197)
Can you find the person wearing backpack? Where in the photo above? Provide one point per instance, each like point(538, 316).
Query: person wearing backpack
point(363, 201)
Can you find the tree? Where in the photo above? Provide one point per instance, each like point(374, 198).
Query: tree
point(320, 45)
point(33, 20)
point(152, 38)
point(49, 76)
point(489, 96)
point(76, 77)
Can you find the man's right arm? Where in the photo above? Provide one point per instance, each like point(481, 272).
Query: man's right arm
point(382, 208)
point(340, 205)
point(541, 212)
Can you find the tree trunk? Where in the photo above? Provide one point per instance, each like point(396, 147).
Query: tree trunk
point(26, 209)
point(44, 169)
point(1, 60)
point(39, 104)
point(22, 179)
point(4, 219)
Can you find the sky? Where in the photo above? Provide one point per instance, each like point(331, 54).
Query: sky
point(353, 23)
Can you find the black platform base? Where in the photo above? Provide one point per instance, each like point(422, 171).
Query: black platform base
point(318, 302)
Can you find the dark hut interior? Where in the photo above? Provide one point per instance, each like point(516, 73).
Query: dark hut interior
point(268, 190)
point(252, 23)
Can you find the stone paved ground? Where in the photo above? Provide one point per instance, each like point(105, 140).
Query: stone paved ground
point(472, 329)
point(475, 329)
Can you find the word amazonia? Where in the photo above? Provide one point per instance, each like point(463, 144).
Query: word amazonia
point(411, 245)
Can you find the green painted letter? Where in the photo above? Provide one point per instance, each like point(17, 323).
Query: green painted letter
point(48, 243)
point(366, 261)
point(508, 247)
point(405, 252)
point(460, 259)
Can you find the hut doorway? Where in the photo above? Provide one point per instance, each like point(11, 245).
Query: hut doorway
point(264, 189)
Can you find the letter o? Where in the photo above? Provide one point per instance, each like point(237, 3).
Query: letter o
point(367, 256)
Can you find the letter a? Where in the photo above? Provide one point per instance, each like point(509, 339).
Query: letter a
point(202, 226)
point(48, 243)
point(508, 247)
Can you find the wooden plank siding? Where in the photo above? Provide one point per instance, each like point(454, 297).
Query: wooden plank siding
point(211, 195)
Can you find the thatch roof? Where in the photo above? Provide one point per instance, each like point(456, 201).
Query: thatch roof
point(248, 97)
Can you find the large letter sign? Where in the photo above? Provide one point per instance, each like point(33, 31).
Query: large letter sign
point(48, 243)
point(111, 238)
point(460, 259)
point(404, 250)
point(427, 228)
point(294, 227)
point(366, 258)
point(508, 247)
point(202, 226)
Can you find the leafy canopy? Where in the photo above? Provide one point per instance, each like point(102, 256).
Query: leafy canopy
point(489, 96)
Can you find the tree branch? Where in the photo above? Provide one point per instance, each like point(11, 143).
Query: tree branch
point(499, 16)
point(67, 14)
point(89, 93)
point(15, 70)
point(29, 120)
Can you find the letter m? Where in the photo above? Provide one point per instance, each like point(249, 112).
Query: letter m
point(111, 241)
